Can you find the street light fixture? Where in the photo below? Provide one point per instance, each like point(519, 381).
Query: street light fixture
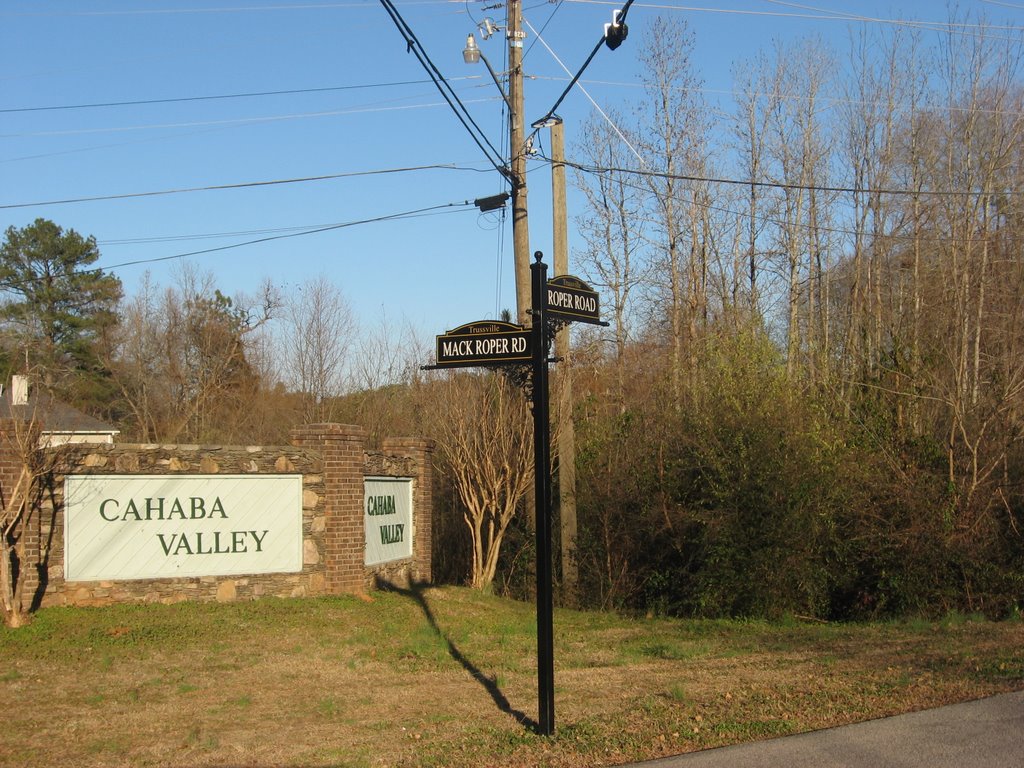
point(471, 54)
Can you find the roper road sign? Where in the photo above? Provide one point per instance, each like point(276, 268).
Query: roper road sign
point(572, 300)
point(485, 342)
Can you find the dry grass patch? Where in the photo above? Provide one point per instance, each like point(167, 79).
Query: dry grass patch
point(446, 677)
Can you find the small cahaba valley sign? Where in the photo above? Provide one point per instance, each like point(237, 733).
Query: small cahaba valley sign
point(387, 502)
point(160, 526)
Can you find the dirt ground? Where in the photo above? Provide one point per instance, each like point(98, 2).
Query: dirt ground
point(447, 677)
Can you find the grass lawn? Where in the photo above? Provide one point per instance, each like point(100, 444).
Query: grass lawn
point(447, 677)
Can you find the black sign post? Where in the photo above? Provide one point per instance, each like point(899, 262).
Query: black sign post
point(542, 492)
point(491, 343)
point(563, 299)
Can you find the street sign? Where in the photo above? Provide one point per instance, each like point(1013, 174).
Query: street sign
point(485, 342)
point(571, 300)
point(566, 299)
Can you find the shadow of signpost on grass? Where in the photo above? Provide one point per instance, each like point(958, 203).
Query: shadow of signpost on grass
point(415, 592)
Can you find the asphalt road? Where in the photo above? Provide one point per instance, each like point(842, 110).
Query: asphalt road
point(987, 733)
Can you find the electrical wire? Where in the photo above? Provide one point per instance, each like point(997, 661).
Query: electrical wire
point(771, 219)
point(551, 112)
point(1015, 6)
point(590, 98)
point(262, 120)
point(542, 28)
point(933, 26)
point(780, 184)
point(218, 97)
point(465, 205)
point(830, 100)
point(227, 9)
point(413, 45)
point(940, 26)
point(206, 235)
point(832, 15)
point(241, 185)
point(432, 210)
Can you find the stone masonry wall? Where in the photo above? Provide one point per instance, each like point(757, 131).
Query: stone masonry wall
point(332, 461)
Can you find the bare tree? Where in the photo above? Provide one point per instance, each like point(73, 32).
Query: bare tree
point(180, 358)
point(673, 125)
point(319, 333)
point(135, 355)
point(612, 228)
point(979, 139)
point(387, 363)
point(485, 438)
point(798, 146)
point(757, 98)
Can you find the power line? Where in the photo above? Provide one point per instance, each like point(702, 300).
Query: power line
point(960, 28)
point(465, 205)
point(778, 184)
point(236, 121)
point(929, 25)
point(543, 26)
point(831, 100)
point(413, 45)
point(773, 219)
point(207, 235)
point(621, 20)
point(240, 185)
point(432, 210)
point(225, 9)
point(586, 93)
point(220, 96)
point(818, 16)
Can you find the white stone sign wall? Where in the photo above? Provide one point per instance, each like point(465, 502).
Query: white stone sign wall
point(159, 526)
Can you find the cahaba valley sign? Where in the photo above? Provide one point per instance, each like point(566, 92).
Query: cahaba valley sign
point(388, 519)
point(159, 526)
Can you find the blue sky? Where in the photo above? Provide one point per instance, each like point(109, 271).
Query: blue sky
point(367, 108)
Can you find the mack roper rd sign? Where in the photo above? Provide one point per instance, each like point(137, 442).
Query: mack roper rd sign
point(485, 342)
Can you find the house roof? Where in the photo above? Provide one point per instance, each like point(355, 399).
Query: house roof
point(54, 415)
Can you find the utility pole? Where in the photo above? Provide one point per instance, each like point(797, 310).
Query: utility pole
point(517, 148)
point(566, 428)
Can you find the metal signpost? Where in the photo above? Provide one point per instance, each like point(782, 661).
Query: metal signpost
point(491, 343)
point(542, 494)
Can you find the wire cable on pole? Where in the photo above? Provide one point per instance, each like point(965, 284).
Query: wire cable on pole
point(413, 45)
point(213, 97)
point(779, 184)
point(464, 205)
point(240, 185)
point(620, 19)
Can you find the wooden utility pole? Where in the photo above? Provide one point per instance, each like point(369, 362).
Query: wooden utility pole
point(517, 148)
point(566, 432)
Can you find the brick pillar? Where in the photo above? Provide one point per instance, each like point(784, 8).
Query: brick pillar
point(423, 499)
point(343, 451)
point(11, 461)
